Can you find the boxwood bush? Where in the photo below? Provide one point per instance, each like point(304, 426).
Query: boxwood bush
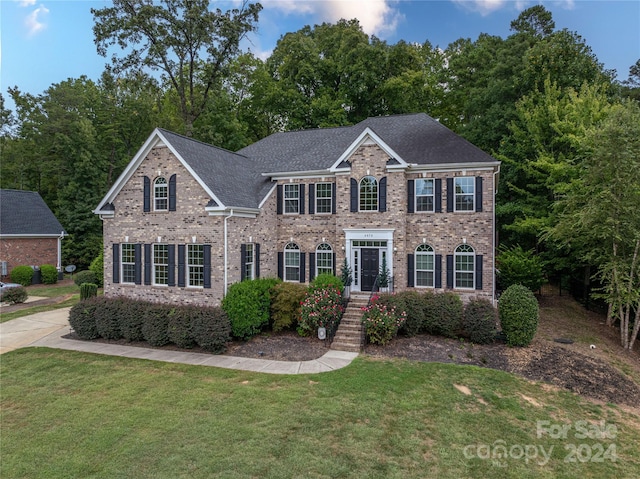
point(85, 277)
point(286, 299)
point(180, 327)
point(22, 275)
point(132, 317)
point(155, 325)
point(210, 327)
point(247, 305)
point(49, 274)
point(443, 313)
point(480, 319)
point(413, 304)
point(15, 295)
point(107, 317)
point(519, 315)
point(82, 317)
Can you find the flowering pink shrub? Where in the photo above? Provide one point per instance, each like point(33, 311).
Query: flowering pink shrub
point(381, 322)
point(320, 308)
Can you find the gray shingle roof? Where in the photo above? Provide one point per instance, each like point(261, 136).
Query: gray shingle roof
point(26, 213)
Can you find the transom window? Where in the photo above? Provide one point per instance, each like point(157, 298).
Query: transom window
point(425, 270)
point(425, 194)
point(465, 193)
point(369, 244)
point(324, 259)
point(464, 267)
point(292, 262)
point(291, 199)
point(160, 194)
point(249, 262)
point(128, 261)
point(368, 194)
point(160, 264)
point(323, 197)
point(195, 265)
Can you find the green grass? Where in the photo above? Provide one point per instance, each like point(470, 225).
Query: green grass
point(53, 291)
point(68, 414)
point(39, 309)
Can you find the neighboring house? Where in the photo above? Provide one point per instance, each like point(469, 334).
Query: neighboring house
point(185, 219)
point(30, 234)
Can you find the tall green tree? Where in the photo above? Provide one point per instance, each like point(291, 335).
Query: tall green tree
point(189, 44)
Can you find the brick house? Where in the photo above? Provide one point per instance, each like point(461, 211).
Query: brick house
point(30, 234)
point(185, 219)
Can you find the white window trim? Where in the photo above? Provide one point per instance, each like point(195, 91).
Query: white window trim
point(456, 194)
point(433, 196)
point(252, 274)
point(165, 187)
point(154, 264)
point(296, 198)
point(188, 267)
point(284, 263)
point(415, 266)
point(330, 198)
point(324, 251)
point(457, 254)
point(122, 263)
point(377, 197)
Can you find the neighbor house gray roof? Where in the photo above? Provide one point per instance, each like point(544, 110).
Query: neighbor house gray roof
point(26, 213)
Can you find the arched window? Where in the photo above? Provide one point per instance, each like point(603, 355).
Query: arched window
point(160, 194)
point(368, 194)
point(324, 259)
point(464, 267)
point(292, 262)
point(425, 266)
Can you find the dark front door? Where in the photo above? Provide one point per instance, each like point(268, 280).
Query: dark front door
point(369, 269)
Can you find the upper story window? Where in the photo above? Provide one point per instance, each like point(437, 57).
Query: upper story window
point(465, 193)
point(324, 259)
point(425, 266)
point(160, 194)
point(324, 197)
point(464, 261)
point(425, 194)
point(292, 262)
point(368, 194)
point(291, 198)
point(128, 263)
point(195, 265)
point(160, 264)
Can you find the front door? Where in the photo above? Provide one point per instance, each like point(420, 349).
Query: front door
point(369, 268)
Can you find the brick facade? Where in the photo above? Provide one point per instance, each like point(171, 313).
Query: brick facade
point(28, 251)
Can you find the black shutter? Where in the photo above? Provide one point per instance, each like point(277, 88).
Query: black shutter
point(438, 195)
point(312, 198)
point(478, 271)
point(410, 271)
point(478, 193)
point(116, 262)
point(281, 265)
point(333, 262)
point(147, 195)
point(181, 265)
point(172, 193)
point(411, 192)
point(279, 199)
point(438, 271)
point(171, 280)
point(147, 264)
point(301, 199)
point(207, 266)
point(302, 267)
point(312, 266)
point(256, 260)
point(137, 251)
point(382, 194)
point(450, 195)
point(450, 271)
point(354, 195)
point(243, 261)
point(333, 198)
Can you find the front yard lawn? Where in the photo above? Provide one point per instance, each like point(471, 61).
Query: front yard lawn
point(68, 414)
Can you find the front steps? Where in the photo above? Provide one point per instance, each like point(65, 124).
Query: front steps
point(350, 335)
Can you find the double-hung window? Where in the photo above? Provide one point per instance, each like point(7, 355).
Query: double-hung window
point(465, 193)
point(292, 198)
point(324, 259)
point(464, 267)
point(195, 265)
point(425, 194)
point(368, 194)
point(249, 261)
point(160, 264)
point(160, 194)
point(323, 197)
point(292, 262)
point(128, 263)
point(425, 266)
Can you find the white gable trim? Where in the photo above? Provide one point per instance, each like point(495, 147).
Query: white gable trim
point(367, 137)
point(156, 139)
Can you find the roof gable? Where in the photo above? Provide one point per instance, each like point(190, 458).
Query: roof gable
point(24, 213)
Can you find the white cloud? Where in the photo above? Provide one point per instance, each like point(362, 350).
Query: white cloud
point(27, 3)
point(34, 22)
point(485, 7)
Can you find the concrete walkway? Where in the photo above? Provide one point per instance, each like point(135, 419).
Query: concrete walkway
point(46, 330)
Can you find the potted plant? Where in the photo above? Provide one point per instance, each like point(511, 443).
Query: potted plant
point(346, 277)
point(383, 276)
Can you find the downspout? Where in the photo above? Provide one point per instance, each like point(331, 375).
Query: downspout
point(60, 251)
point(493, 228)
point(226, 253)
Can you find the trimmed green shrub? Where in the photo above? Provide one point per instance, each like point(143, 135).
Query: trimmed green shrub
point(413, 304)
point(107, 317)
point(88, 290)
point(210, 327)
point(286, 300)
point(22, 275)
point(15, 295)
point(247, 305)
point(155, 326)
point(519, 315)
point(323, 281)
point(97, 268)
point(381, 322)
point(179, 327)
point(480, 318)
point(132, 318)
point(85, 277)
point(320, 308)
point(517, 266)
point(443, 314)
point(49, 274)
point(82, 318)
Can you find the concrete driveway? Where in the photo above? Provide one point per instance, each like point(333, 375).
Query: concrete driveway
point(21, 332)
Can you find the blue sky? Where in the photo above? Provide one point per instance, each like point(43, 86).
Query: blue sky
point(47, 41)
